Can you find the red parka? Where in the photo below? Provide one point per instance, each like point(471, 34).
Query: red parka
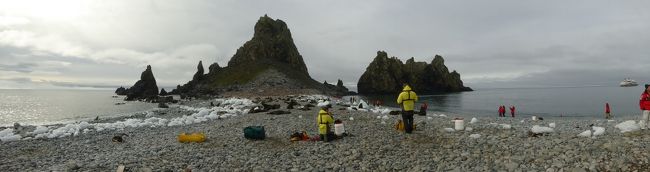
point(644, 103)
point(607, 108)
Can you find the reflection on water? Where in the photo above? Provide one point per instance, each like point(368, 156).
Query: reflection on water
point(564, 101)
point(52, 106)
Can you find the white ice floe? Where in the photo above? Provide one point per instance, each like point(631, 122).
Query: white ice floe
point(323, 103)
point(474, 120)
point(598, 131)
point(227, 108)
point(628, 126)
point(475, 136)
point(586, 133)
point(40, 130)
point(449, 130)
point(8, 135)
point(552, 125)
point(442, 115)
point(505, 126)
point(537, 129)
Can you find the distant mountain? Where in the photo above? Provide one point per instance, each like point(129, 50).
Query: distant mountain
point(269, 63)
point(385, 76)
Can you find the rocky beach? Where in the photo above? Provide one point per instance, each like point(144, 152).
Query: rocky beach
point(373, 144)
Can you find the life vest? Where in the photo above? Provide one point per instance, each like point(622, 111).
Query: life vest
point(324, 120)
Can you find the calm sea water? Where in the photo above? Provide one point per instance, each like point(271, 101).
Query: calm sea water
point(59, 106)
point(586, 102)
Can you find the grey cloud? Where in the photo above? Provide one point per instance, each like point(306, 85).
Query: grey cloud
point(20, 67)
point(491, 42)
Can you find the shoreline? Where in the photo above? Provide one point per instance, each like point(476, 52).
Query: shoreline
point(374, 145)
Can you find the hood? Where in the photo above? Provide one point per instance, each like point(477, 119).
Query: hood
point(406, 88)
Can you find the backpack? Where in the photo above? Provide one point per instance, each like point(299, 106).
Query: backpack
point(255, 132)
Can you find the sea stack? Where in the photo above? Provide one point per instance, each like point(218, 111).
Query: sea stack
point(145, 88)
point(385, 75)
point(268, 64)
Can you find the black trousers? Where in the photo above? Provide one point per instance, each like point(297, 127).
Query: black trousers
point(407, 117)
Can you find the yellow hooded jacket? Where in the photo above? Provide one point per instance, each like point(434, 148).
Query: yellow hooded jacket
point(407, 98)
point(324, 121)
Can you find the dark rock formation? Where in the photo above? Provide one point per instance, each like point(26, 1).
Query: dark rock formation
point(163, 92)
point(199, 72)
point(121, 91)
point(145, 88)
point(269, 61)
point(386, 75)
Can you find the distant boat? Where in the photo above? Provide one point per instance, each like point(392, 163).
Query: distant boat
point(627, 82)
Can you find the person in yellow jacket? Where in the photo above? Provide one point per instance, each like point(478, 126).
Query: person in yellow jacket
point(325, 122)
point(407, 100)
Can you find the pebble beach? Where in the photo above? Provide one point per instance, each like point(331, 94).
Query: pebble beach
point(372, 144)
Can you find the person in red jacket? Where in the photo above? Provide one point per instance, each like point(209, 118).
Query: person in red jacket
point(607, 111)
point(512, 111)
point(502, 111)
point(644, 104)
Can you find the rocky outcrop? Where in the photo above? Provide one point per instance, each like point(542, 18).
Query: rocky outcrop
point(199, 72)
point(271, 43)
point(269, 61)
point(145, 88)
point(120, 91)
point(386, 75)
point(163, 92)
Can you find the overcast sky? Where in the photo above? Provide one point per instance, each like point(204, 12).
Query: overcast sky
point(79, 43)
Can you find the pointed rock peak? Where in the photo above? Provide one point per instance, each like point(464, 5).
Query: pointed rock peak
point(382, 54)
point(267, 27)
point(339, 83)
point(438, 60)
point(148, 67)
point(214, 67)
point(199, 72)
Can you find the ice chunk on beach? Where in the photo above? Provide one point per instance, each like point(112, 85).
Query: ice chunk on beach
point(586, 133)
point(385, 111)
point(442, 115)
point(429, 118)
point(385, 117)
point(378, 117)
point(505, 126)
point(628, 126)
point(552, 125)
point(537, 129)
point(475, 136)
point(8, 135)
point(323, 103)
point(351, 119)
point(449, 130)
point(598, 131)
point(469, 129)
point(474, 120)
point(40, 130)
